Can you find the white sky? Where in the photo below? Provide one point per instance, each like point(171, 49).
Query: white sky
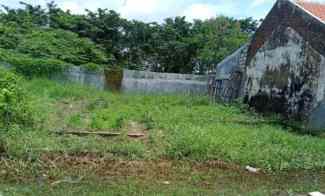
point(157, 10)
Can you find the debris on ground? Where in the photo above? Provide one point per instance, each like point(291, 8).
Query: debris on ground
point(136, 134)
point(252, 169)
point(166, 182)
point(316, 194)
point(135, 129)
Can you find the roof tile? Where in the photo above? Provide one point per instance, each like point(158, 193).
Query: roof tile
point(317, 9)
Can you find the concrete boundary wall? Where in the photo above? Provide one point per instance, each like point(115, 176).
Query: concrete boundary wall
point(151, 82)
point(82, 76)
point(140, 81)
point(137, 81)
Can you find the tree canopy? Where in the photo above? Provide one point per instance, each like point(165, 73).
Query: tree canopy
point(104, 37)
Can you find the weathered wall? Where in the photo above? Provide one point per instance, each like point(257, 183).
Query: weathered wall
point(288, 14)
point(284, 76)
point(284, 69)
point(231, 64)
point(316, 118)
point(136, 81)
point(150, 82)
point(285, 65)
point(140, 81)
point(82, 76)
point(229, 75)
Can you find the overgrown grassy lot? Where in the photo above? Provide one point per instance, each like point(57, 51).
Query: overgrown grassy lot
point(177, 127)
point(189, 146)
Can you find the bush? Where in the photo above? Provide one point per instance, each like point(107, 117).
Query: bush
point(14, 107)
point(62, 45)
point(42, 52)
point(9, 36)
point(91, 66)
point(29, 66)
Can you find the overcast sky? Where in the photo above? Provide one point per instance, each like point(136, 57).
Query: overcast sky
point(157, 10)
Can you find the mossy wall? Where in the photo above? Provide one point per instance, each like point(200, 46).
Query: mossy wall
point(113, 78)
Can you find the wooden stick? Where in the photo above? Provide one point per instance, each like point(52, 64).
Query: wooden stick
point(85, 133)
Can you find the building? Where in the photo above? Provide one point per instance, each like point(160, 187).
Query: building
point(282, 68)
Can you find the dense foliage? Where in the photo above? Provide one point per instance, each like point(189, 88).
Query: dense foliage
point(29, 66)
point(61, 45)
point(175, 45)
point(36, 51)
point(13, 102)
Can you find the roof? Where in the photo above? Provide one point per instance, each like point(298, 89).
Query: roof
point(316, 9)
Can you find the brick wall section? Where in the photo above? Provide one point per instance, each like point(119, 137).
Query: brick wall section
point(286, 13)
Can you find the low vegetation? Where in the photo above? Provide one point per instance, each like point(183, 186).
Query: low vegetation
point(177, 127)
point(32, 67)
point(174, 136)
point(36, 51)
point(14, 105)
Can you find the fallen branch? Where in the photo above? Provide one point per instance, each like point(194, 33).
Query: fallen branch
point(136, 134)
point(86, 133)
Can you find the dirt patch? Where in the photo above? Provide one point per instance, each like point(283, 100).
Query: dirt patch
point(104, 165)
point(60, 168)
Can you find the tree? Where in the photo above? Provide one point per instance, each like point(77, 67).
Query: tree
point(217, 38)
point(173, 46)
point(177, 49)
point(28, 16)
point(249, 25)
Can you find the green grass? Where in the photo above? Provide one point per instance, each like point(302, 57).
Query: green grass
point(179, 129)
point(104, 190)
point(132, 188)
point(151, 179)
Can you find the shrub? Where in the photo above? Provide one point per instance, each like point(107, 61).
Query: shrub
point(62, 45)
point(14, 109)
point(29, 66)
point(91, 66)
point(43, 52)
point(9, 36)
